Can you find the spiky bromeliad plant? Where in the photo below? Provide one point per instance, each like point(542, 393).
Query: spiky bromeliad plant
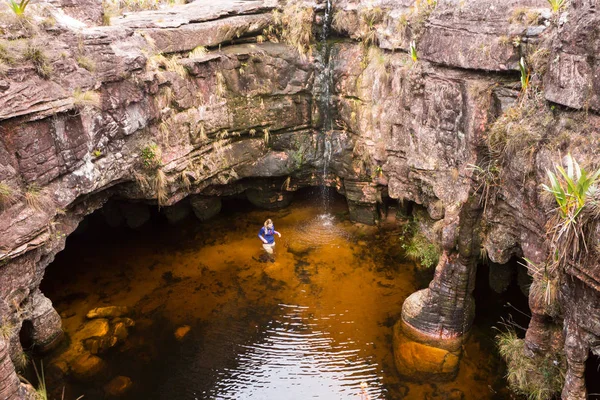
point(576, 193)
point(525, 75)
point(557, 5)
point(18, 7)
point(413, 51)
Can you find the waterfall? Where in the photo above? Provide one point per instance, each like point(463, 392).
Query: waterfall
point(325, 102)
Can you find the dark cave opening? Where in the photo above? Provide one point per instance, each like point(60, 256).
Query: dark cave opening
point(26, 335)
point(592, 376)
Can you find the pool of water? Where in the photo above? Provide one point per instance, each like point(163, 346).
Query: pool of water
point(315, 322)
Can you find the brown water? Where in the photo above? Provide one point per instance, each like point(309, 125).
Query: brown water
point(314, 323)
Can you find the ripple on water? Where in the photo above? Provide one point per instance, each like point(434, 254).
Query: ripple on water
point(298, 357)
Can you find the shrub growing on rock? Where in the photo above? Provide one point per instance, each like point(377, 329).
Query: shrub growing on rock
point(538, 378)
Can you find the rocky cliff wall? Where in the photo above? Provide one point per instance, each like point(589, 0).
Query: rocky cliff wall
point(125, 111)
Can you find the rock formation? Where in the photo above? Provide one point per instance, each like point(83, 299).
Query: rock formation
point(425, 106)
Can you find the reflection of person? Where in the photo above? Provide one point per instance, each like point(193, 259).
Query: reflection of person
point(267, 235)
point(363, 391)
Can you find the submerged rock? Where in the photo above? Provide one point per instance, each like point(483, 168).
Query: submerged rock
point(108, 312)
point(118, 386)
point(182, 332)
point(95, 328)
point(87, 367)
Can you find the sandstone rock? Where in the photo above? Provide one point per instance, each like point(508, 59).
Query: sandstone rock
point(88, 366)
point(177, 212)
point(120, 331)
point(118, 386)
point(109, 312)
point(99, 327)
point(418, 361)
point(205, 207)
point(100, 345)
point(269, 198)
point(500, 276)
point(136, 214)
point(182, 331)
point(47, 325)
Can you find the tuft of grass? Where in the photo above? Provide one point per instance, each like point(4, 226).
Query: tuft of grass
point(545, 286)
point(538, 378)
point(39, 59)
point(18, 7)
point(520, 129)
point(185, 179)
point(8, 195)
point(6, 329)
point(21, 361)
point(266, 135)
point(573, 187)
point(198, 52)
point(86, 63)
point(170, 64)
point(221, 85)
point(369, 18)
point(378, 61)
point(87, 99)
point(488, 178)
point(294, 27)
point(159, 185)
point(35, 198)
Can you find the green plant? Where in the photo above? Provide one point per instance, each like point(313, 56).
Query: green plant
point(151, 156)
point(413, 51)
point(544, 288)
point(42, 393)
point(539, 377)
point(96, 153)
point(87, 99)
point(86, 63)
point(557, 5)
point(421, 250)
point(8, 195)
point(572, 188)
point(18, 7)
point(369, 18)
point(525, 75)
point(40, 62)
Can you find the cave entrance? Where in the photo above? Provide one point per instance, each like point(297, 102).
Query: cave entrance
point(592, 376)
point(192, 306)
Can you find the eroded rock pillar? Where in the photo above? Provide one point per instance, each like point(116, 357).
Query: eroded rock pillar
point(9, 382)
point(47, 325)
point(577, 351)
point(428, 339)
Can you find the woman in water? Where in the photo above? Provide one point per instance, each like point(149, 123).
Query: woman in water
point(267, 235)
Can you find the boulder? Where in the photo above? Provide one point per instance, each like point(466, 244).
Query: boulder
point(269, 198)
point(95, 328)
point(87, 367)
point(177, 212)
point(136, 214)
point(118, 386)
point(205, 207)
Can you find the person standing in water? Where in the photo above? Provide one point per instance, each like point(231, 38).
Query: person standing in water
point(267, 235)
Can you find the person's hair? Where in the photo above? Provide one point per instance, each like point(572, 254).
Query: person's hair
point(267, 223)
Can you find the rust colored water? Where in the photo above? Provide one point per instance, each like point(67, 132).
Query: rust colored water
point(314, 323)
